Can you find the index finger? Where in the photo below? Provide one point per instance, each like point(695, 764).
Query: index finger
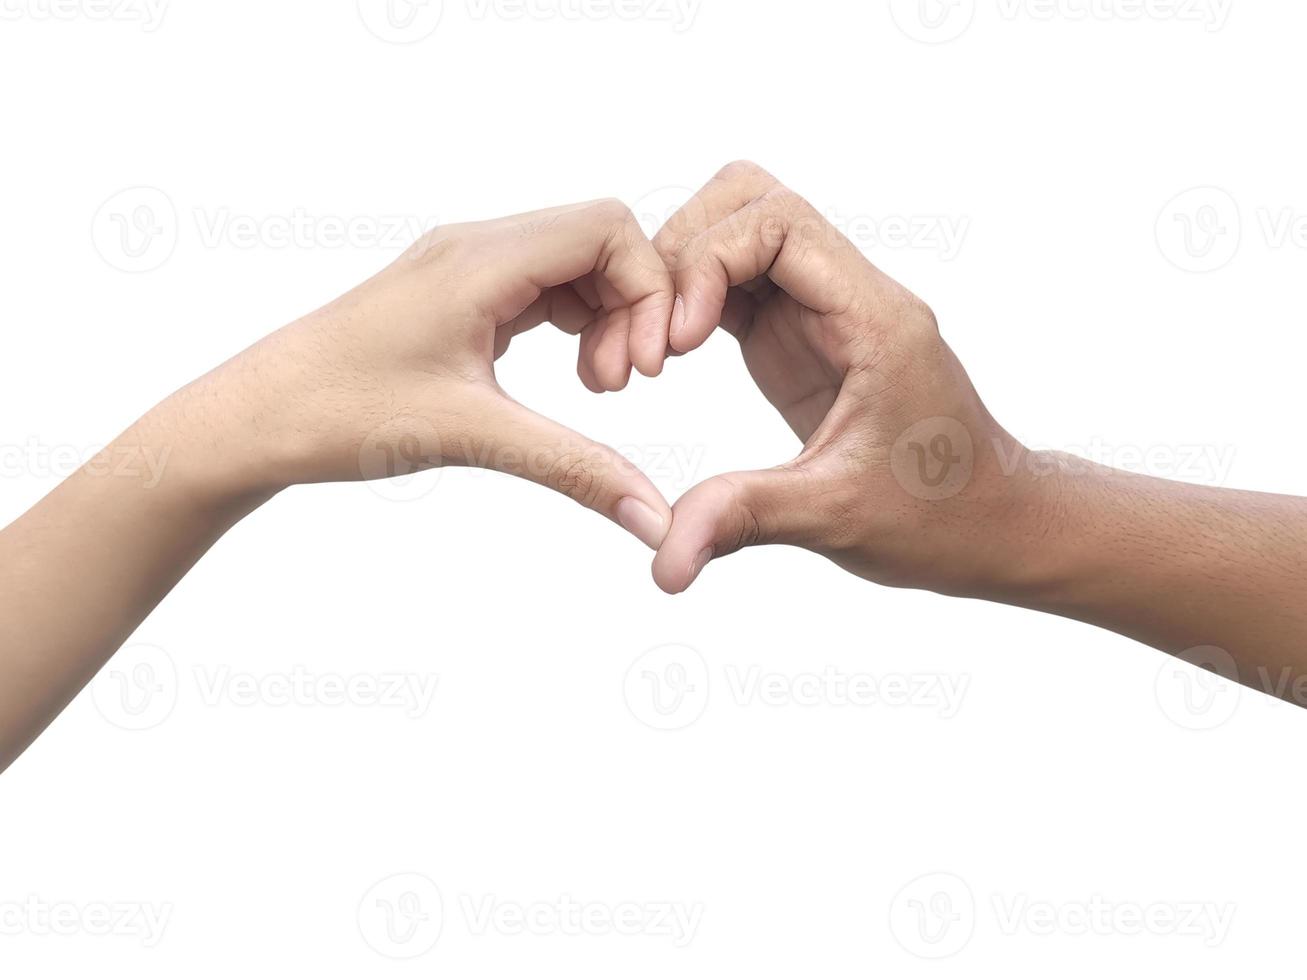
point(777, 234)
point(548, 248)
point(730, 189)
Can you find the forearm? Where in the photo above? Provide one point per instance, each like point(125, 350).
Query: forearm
point(393, 377)
point(83, 568)
point(1172, 565)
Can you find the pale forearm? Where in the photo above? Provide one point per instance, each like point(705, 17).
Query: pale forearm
point(83, 568)
point(394, 377)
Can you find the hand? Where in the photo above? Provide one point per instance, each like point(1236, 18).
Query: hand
point(395, 376)
point(900, 479)
point(398, 376)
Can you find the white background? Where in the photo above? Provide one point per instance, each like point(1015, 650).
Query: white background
point(1081, 803)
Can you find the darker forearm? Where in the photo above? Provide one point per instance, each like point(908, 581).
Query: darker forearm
point(1177, 566)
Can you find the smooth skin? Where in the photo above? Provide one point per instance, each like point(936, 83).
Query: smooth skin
point(393, 377)
point(906, 479)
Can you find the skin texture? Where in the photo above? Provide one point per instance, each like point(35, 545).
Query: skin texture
point(393, 377)
point(905, 479)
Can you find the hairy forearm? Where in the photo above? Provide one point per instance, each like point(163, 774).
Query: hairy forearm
point(1179, 567)
point(83, 568)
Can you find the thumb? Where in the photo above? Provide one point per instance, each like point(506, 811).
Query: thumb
point(722, 515)
point(521, 443)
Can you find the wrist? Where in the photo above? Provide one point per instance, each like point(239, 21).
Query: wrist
point(1009, 530)
point(1030, 553)
point(203, 447)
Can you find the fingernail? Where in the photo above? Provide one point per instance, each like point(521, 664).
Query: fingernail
point(678, 317)
point(698, 565)
point(642, 521)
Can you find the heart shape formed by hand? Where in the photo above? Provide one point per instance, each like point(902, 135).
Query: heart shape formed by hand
point(854, 363)
point(888, 421)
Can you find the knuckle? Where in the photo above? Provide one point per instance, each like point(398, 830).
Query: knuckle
point(748, 527)
point(681, 252)
point(667, 242)
point(446, 243)
point(772, 231)
point(740, 170)
point(927, 316)
point(917, 318)
point(575, 474)
point(786, 201)
point(743, 527)
point(615, 210)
